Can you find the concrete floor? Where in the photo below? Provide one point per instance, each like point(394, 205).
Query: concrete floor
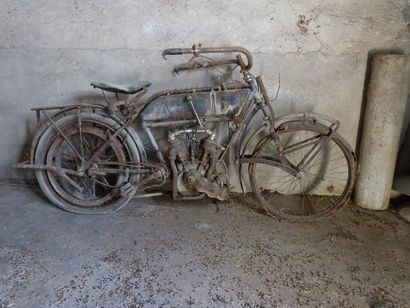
point(159, 253)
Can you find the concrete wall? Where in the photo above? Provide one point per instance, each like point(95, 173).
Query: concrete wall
point(51, 50)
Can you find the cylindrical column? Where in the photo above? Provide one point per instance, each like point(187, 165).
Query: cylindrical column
point(383, 118)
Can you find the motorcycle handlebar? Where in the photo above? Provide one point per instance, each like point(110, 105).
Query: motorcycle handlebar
point(196, 50)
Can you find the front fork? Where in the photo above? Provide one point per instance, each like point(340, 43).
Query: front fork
point(261, 100)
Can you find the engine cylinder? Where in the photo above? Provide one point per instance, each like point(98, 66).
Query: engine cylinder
point(179, 149)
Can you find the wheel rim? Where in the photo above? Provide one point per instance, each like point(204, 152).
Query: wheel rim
point(316, 191)
point(86, 141)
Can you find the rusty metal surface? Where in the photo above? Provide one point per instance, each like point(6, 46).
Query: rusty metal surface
point(204, 185)
point(194, 90)
point(194, 153)
point(216, 103)
point(55, 154)
point(197, 50)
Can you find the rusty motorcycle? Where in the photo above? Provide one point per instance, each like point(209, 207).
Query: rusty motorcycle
point(93, 158)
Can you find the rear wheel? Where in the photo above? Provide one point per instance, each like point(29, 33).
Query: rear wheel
point(68, 147)
point(323, 183)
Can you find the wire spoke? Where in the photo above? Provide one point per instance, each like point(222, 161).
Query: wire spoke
point(317, 188)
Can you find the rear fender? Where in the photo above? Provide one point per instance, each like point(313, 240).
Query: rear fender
point(63, 110)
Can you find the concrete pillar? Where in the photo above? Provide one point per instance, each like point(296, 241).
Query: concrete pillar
point(383, 118)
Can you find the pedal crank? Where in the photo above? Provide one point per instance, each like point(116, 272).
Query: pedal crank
point(158, 176)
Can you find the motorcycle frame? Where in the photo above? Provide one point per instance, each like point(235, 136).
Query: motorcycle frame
point(257, 100)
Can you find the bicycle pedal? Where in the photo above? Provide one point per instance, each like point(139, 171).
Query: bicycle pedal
point(127, 190)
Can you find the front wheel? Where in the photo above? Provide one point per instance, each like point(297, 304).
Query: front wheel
point(323, 183)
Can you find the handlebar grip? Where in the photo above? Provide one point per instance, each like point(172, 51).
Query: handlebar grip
point(171, 52)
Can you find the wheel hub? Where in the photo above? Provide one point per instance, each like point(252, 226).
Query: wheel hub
point(92, 196)
point(92, 171)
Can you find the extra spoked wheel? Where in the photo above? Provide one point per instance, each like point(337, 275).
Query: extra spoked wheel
point(72, 184)
point(323, 183)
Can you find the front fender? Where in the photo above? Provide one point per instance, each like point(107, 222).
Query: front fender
point(310, 117)
point(281, 123)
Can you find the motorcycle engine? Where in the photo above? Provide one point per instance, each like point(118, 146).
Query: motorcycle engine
point(194, 158)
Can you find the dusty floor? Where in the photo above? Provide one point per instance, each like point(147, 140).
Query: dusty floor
point(158, 252)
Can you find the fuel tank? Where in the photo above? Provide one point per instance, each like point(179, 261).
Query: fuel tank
point(178, 107)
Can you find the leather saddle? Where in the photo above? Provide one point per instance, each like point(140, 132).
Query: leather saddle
point(121, 88)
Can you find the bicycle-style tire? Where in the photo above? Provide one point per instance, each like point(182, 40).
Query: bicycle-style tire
point(319, 189)
point(57, 150)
